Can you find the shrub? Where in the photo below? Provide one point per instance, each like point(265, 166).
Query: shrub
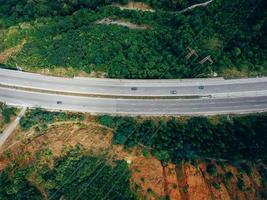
point(106, 120)
point(217, 186)
point(211, 169)
point(228, 175)
point(240, 183)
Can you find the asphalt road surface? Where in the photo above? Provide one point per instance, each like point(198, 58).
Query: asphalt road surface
point(134, 106)
point(216, 96)
point(120, 87)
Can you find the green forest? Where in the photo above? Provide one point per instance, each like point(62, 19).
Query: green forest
point(231, 138)
point(75, 176)
point(63, 34)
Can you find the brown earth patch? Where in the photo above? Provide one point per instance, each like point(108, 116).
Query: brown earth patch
point(149, 178)
point(64, 72)
point(234, 73)
point(134, 6)
point(148, 174)
point(5, 55)
point(124, 23)
point(172, 184)
point(256, 178)
point(220, 193)
point(198, 189)
point(58, 137)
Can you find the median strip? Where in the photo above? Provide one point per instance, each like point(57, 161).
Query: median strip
point(101, 96)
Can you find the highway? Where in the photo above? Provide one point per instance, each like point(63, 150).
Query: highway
point(134, 106)
point(144, 88)
point(216, 96)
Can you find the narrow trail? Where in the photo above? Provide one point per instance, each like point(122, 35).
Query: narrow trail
point(196, 5)
point(9, 130)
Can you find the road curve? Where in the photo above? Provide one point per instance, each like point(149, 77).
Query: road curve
point(203, 96)
point(217, 87)
point(134, 106)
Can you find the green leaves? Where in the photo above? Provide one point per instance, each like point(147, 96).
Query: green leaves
point(42, 118)
point(242, 138)
point(72, 176)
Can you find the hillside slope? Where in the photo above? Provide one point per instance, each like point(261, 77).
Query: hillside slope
point(67, 155)
point(63, 38)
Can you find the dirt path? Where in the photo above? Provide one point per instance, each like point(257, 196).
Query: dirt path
point(8, 131)
point(5, 55)
point(139, 6)
point(108, 21)
point(196, 5)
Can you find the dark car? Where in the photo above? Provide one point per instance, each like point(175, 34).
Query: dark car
point(201, 87)
point(59, 102)
point(173, 92)
point(134, 88)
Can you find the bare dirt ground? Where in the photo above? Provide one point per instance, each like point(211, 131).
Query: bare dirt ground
point(198, 188)
point(220, 194)
point(124, 23)
point(234, 73)
point(150, 179)
point(172, 183)
point(188, 182)
point(135, 6)
point(148, 174)
point(5, 55)
point(65, 72)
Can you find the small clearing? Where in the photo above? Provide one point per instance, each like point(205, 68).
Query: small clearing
point(139, 6)
point(5, 55)
point(129, 25)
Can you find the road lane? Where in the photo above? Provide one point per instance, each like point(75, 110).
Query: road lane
point(121, 87)
point(134, 106)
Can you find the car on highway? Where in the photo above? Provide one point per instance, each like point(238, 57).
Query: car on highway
point(173, 92)
point(134, 88)
point(59, 102)
point(201, 87)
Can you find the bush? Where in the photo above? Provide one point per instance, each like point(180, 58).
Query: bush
point(43, 117)
point(245, 168)
point(107, 120)
point(211, 169)
point(7, 112)
point(240, 184)
point(228, 176)
point(217, 186)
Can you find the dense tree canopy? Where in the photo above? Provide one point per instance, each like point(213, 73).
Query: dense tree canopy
point(64, 34)
point(73, 177)
point(232, 139)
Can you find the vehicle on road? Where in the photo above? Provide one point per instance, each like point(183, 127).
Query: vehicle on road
point(201, 87)
point(173, 92)
point(134, 88)
point(59, 102)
